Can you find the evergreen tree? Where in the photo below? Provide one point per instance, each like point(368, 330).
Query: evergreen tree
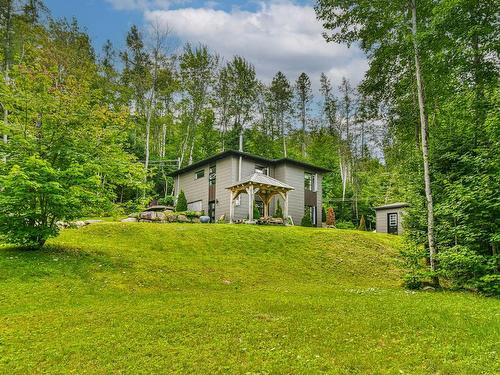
point(280, 100)
point(304, 97)
point(181, 205)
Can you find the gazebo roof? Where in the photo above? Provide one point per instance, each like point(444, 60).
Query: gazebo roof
point(262, 180)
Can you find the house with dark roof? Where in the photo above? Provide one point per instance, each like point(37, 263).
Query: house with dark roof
point(230, 183)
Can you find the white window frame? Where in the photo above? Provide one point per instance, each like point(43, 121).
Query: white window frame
point(314, 181)
point(262, 169)
point(198, 171)
point(393, 215)
point(191, 208)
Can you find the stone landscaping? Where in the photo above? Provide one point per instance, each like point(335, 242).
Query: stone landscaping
point(166, 214)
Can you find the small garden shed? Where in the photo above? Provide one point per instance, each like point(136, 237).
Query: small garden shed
point(390, 218)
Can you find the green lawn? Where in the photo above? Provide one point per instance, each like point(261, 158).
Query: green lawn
point(152, 298)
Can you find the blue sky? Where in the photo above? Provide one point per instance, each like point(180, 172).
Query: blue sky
point(272, 34)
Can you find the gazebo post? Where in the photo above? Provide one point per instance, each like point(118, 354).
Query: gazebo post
point(250, 203)
point(231, 207)
point(285, 208)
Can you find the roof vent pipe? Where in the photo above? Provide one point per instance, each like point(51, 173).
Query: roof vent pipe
point(241, 158)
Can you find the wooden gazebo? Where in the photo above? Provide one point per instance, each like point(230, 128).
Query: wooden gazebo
point(262, 185)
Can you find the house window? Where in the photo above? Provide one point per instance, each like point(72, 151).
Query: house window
point(199, 174)
point(262, 169)
point(310, 181)
point(211, 175)
point(195, 206)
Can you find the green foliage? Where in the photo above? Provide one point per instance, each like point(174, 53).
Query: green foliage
point(256, 212)
point(306, 219)
point(344, 225)
point(34, 197)
point(323, 214)
point(416, 270)
point(181, 205)
point(278, 213)
point(169, 200)
point(489, 285)
point(463, 267)
point(456, 40)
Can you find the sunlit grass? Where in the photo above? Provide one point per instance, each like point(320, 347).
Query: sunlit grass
point(152, 298)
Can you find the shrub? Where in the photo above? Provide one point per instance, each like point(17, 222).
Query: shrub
point(278, 213)
point(330, 217)
point(345, 225)
point(417, 272)
point(323, 214)
point(362, 223)
point(181, 203)
point(166, 201)
point(256, 212)
point(306, 220)
point(461, 265)
point(489, 285)
point(37, 195)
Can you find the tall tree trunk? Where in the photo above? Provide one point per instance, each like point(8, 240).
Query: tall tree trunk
point(303, 118)
point(424, 125)
point(6, 63)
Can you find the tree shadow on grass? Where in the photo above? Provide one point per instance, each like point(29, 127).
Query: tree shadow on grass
point(53, 260)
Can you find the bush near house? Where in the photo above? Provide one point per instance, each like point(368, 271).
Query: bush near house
point(306, 219)
point(330, 217)
point(181, 205)
point(278, 213)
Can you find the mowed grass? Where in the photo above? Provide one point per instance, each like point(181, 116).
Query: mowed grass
point(148, 298)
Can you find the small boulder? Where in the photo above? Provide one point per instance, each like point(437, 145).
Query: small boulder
point(77, 224)
point(147, 215)
point(182, 219)
point(62, 224)
point(172, 218)
point(159, 216)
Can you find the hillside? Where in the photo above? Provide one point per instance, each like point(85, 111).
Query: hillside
point(145, 298)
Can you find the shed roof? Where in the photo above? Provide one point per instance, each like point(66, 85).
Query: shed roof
point(261, 159)
point(392, 205)
point(261, 179)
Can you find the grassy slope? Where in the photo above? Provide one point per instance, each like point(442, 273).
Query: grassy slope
point(142, 298)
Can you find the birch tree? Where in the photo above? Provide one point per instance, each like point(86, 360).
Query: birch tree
point(383, 30)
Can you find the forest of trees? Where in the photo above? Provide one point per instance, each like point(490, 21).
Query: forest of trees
point(96, 131)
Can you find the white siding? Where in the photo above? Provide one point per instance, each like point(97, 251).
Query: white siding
point(195, 189)
point(381, 224)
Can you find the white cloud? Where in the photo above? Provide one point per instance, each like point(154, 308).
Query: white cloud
point(141, 4)
point(277, 36)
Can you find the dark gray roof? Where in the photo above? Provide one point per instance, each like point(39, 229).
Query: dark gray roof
point(392, 205)
point(227, 153)
point(260, 178)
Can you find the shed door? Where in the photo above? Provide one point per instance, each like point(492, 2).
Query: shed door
point(392, 223)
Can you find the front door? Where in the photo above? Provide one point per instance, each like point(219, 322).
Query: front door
point(392, 223)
